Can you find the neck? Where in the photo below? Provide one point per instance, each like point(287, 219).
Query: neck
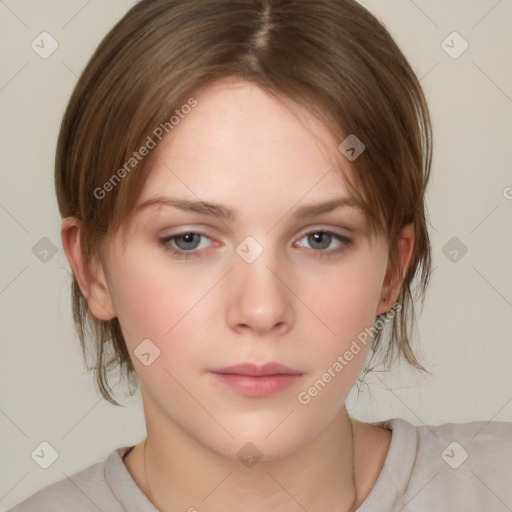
point(182, 474)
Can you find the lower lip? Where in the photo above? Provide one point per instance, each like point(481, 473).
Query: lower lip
point(265, 385)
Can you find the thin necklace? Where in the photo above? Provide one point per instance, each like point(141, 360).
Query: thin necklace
point(352, 506)
point(145, 473)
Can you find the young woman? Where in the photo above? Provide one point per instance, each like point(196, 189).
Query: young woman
point(242, 189)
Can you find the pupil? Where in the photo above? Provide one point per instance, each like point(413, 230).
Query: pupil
point(322, 239)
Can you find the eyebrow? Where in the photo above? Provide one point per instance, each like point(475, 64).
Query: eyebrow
point(222, 212)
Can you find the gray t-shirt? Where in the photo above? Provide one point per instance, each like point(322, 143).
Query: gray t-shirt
point(451, 467)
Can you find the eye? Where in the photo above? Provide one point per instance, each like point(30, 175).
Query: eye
point(326, 243)
point(184, 245)
point(189, 244)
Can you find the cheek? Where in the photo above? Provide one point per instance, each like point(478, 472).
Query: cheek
point(345, 297)
point(152, 300)
point(346, 303)
point(155, 309)
point(169, 305)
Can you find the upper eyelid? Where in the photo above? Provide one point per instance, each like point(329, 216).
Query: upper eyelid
point(350, 214)
point(334, 231)
point(305, 231)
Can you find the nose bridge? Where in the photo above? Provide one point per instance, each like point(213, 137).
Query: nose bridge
point(259, 299)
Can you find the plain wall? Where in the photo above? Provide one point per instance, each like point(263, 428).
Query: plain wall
point(465, 326)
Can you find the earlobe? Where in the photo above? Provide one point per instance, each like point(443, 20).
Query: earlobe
point(393, 282)
point(90, 277)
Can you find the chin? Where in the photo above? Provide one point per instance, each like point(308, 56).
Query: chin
point(256, 439)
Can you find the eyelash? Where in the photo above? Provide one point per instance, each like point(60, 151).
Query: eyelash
point(165, 243)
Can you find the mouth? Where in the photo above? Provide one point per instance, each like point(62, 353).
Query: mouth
point(254, 380)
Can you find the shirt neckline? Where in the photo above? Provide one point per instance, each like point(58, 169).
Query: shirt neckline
point(390, 483)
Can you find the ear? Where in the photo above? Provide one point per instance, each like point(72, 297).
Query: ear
point(393, 282)
point(90, 276)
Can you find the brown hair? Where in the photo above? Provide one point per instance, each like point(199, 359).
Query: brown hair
point(331, 56)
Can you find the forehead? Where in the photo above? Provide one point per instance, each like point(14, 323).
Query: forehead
point(240, 138)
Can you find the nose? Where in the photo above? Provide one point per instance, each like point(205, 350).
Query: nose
point(259, 299)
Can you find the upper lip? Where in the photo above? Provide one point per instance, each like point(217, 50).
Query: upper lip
point(257, 370)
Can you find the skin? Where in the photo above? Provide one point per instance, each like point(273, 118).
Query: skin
point(246, 150)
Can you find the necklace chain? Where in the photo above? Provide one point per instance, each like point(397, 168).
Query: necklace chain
point(354, 503)
point(145, 473)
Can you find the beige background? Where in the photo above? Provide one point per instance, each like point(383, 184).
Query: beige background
point(465, 328)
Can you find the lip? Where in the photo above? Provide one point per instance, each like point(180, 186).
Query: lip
point(257, 370)
point(254, 380)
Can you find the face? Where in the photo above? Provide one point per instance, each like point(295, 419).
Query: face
point(199, 291)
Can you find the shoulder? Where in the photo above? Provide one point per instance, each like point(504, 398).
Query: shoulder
point(87, 490)
point(464, 466)
point(484, 445)
point(480, 439)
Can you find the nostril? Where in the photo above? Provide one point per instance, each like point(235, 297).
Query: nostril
point(279, 326)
